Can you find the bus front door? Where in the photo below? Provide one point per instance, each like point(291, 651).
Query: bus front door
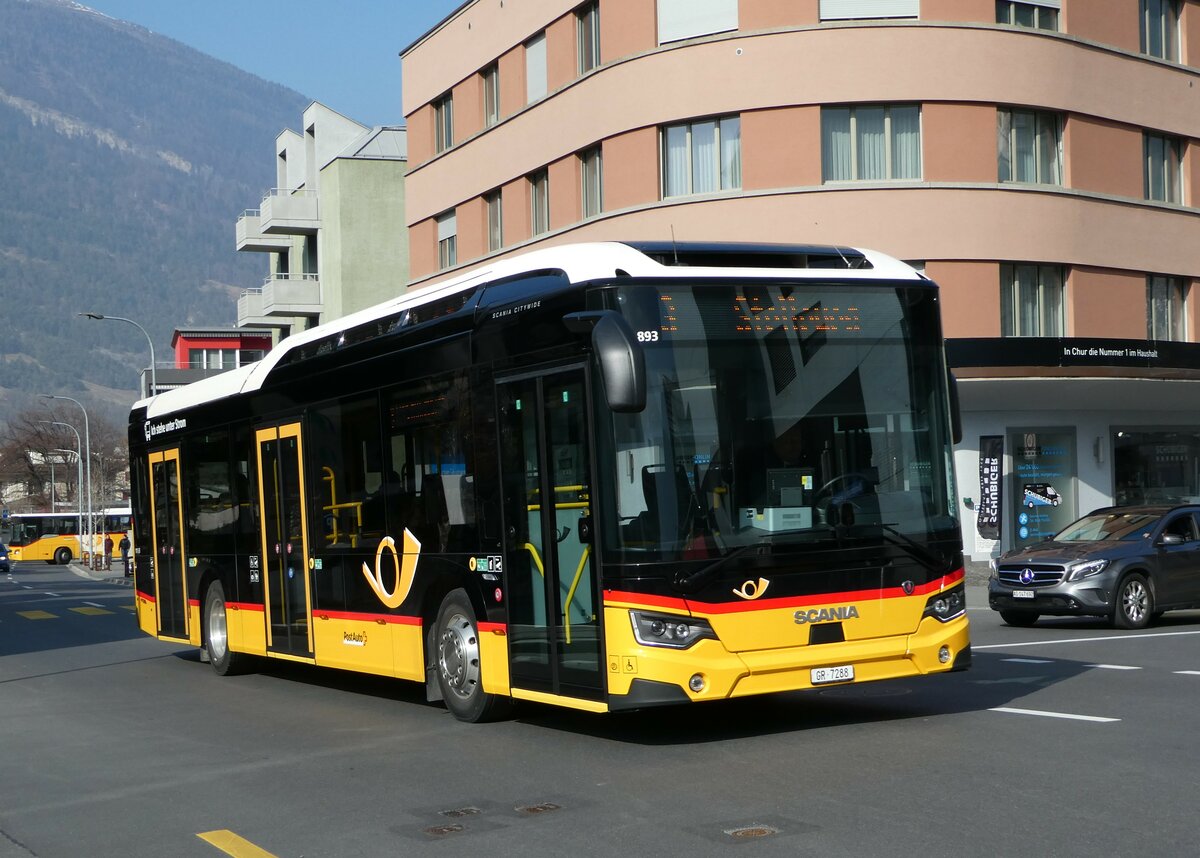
point(284, 536)
point(552, 594)
point(166, 528)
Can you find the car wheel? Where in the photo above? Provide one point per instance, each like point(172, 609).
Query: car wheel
point(1021, 619)
point(224, 661)
point(62, 556)
point(459, 673)
point(1134, 604)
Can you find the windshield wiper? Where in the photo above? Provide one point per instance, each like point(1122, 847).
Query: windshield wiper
point(933, 562)
point(691, 582)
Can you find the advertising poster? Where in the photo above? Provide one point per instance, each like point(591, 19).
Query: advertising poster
point(1044, 484)
point(991, 462)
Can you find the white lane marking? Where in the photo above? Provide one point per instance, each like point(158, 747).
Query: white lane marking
point(1188, 672)
point(1085, 640)
point(55, 595)
point(1042, 714)
point(1115, 666)
point(1029, 660)
point(93, 604)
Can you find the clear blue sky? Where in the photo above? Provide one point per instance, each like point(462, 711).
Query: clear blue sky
point(344, 54)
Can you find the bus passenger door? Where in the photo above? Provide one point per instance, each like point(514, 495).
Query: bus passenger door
point(284, 534)
point(552, 593)
point(166, 528)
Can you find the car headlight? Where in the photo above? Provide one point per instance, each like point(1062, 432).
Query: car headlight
point(666, 630)
point(948, 605)
point(1085, 570)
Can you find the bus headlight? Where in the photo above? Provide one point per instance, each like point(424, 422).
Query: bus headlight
point(948, 605)
point(671, 631)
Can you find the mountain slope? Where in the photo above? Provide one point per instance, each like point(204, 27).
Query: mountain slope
point(125, 158)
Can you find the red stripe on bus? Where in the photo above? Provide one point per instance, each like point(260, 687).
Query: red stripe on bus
point(145, 596)
point(497, 628)
point(247, 606)
point(400, 619)
point(732, 607)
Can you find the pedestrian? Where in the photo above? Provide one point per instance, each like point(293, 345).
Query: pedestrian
point(108, 547)
point(125, 552)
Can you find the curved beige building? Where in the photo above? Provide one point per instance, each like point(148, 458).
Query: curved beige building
point(1037, 158)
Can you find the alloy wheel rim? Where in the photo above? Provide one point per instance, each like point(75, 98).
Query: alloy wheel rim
point(1135, 600)
point(458, 656)
point(218, 634)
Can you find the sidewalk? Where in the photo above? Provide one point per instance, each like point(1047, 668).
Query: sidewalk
point(108, 576)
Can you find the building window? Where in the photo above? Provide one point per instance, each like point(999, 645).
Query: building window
point(1163, 176)
point(1030, 146)
point(447, 234)
point(702, 157)
point(539, 195)
point(1031, 301)
point(870, 143)
point(443, 123)
point(220, 359)
point(491, 95)
point(495, 220)
point(850, 10)
point(1165, 303)
point(593, 182)
point(1030, 13)
point(535, 68)
point(1159, 20)
point(588, 18)
point(687, 19)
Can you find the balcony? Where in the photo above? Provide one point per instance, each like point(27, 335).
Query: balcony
point(250, 311)
point(250, 235)
point(287, 212)
point(292, 295)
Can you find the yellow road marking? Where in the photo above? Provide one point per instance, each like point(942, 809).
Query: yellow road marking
point(91, 612)
point(37, 615)
point(231, 844)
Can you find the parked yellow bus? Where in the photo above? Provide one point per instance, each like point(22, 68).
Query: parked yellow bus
point(50, 536)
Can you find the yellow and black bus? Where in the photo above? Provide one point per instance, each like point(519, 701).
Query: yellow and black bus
point(605, 476)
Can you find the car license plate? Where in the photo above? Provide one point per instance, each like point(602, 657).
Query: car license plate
point(1023, 594)
point(824, 675)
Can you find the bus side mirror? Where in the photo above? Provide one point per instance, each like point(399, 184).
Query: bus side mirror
point(622, 364)
point(956, 432)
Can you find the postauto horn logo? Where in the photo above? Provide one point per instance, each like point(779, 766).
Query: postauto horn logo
point(405, 570)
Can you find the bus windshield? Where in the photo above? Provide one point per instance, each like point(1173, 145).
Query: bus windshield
point(779, 413)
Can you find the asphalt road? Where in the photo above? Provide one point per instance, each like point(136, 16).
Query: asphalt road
point(1065, 739)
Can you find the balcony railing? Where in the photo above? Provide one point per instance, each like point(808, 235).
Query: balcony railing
point(288, 212)
point(250, 235)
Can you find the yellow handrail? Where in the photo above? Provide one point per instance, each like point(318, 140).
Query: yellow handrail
point(333, 506)
point(571, 593)
point(537, 561)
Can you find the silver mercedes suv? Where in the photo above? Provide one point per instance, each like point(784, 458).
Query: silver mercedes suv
point(1129, 564)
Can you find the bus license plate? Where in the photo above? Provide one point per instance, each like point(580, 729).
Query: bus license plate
point(1022, 594)
point(824, 675)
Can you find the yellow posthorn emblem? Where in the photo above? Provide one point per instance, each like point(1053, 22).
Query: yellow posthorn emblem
point(406, 569)
point(752, 589)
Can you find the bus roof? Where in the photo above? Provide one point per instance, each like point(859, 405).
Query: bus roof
point(580, 263)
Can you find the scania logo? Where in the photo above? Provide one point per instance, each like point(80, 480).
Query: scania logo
point(825, 615)
point(908, 587)
point(1026, 576)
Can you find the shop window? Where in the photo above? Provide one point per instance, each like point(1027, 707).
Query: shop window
point(1156, 465)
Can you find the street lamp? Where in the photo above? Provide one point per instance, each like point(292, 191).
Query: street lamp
point(87, 441)
point(153, 375)
point(78, 451)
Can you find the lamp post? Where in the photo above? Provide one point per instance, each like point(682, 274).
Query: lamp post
point(78, 451)
point(153, 375)
point(87, 442)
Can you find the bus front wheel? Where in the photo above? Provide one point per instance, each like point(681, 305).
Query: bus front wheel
point(62, 556)
point(224, 661)
point(459, 674)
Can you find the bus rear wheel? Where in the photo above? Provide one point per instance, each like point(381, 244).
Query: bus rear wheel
point(62, 556)
point(224, 661)
point(459, 673)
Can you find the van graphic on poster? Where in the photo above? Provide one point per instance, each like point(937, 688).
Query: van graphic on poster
point(1041, 494)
